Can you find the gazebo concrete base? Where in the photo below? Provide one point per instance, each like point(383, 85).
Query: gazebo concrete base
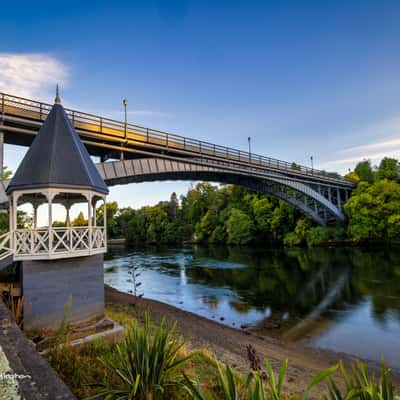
point(54, 290)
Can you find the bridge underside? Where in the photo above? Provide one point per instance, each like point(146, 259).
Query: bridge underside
point(322, 203)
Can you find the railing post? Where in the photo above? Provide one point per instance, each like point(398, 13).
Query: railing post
point(32, 238)
point(50, 224)
point(101, 125)
point(90, 231)
point(147, 135)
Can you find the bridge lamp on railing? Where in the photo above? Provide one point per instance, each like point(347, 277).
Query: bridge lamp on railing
point(312, 163)
point(249, 141)
point(125, 103)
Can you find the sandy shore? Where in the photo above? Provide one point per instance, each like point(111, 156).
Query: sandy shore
point(229, 344)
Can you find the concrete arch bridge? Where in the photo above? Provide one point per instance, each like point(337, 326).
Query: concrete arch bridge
point(320, 200)
point(132, 153)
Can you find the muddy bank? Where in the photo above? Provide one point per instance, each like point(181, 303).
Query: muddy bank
point(229, 344)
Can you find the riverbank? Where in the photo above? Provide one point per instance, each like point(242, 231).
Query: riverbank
point(229, 344)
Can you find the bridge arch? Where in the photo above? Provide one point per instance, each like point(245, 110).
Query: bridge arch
point(319, 201)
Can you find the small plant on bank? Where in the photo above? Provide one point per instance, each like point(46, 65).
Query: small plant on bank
point(133, 271)
point(16, 306)
point(144, 364)
point(255, 387)
point(361, 386)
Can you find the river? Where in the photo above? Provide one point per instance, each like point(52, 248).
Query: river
point(342, 299)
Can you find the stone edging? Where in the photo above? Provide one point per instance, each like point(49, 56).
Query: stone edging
point(24, 373)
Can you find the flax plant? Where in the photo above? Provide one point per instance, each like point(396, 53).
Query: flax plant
point(144, 364)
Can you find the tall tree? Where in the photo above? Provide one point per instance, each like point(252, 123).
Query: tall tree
point(239, 227)
point(389, 168)
point(364, 171)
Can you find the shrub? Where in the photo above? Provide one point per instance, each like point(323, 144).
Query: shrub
point(144, 364)
point(361, 386)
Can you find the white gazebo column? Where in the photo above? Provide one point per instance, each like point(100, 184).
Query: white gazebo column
point(50, 196)
point(90, 230)
point(104, 233)
point(68, 216)
point(94, 201)
point(35, 205)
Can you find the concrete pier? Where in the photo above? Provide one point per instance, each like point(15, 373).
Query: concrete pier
point(54, 289)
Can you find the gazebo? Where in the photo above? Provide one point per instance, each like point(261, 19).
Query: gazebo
point(61, 261)
point(57, 170)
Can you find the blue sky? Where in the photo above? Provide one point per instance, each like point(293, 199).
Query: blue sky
point(301, 78)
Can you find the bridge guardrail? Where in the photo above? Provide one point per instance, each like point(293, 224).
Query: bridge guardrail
point(108, 126)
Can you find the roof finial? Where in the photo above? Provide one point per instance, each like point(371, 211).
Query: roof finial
point(57, 100)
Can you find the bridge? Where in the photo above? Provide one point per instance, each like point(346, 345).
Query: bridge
point(132, 153)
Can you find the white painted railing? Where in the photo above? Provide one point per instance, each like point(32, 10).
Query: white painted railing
point(64, 242)
point(5, 246)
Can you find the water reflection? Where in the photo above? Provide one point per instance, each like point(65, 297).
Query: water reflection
point(342, 299)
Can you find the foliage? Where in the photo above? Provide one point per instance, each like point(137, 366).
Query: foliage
point(298, 237)
point(239, 227)
point(16, 306)
point(361, 386)
point(364, 171)
point(79, 220)
point(111, 210)
point(371, 211)
point(254, 386)
point(227, 214)
point(389, 168)
point(352, 177)
point(318, 234)
point(7, 173)
point(144, 364)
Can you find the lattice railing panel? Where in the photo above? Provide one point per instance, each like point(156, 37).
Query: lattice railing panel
point(58, 241)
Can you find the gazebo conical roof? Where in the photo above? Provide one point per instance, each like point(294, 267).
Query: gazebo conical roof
point(57, 158)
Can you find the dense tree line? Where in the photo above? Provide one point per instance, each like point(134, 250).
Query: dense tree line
point(207, 213)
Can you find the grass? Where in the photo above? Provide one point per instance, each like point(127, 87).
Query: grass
point(81, 367)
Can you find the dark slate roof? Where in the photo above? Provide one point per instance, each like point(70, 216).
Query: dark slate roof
point(57, 158)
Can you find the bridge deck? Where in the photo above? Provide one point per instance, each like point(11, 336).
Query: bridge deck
point(21, 118)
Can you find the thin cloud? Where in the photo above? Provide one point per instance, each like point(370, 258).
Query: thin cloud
point(31, 75)
point(384, 142)
point(374, 157)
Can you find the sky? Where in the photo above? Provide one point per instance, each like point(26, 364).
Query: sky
point(301, 78)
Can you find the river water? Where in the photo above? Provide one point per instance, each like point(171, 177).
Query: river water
point(346, 300)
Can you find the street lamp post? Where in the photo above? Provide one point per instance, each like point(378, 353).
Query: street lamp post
point(125, 103)
point(312, 163)
point(249, 140)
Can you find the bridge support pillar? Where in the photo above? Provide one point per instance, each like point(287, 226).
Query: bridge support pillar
point(339, 198)
point(70, 288)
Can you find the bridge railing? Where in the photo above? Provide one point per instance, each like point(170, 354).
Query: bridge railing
point(136, 133)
